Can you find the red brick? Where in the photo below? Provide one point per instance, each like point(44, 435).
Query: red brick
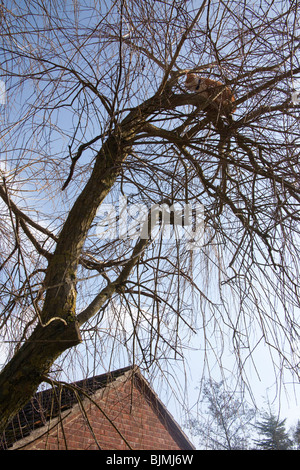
point(131, 412)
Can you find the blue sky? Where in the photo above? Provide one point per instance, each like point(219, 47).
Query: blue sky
point(262, 381)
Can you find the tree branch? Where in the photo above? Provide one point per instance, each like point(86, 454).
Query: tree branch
point(116, 285)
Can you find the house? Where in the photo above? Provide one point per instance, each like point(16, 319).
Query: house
point(114, 411)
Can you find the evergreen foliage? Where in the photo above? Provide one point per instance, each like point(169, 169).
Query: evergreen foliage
point(273, 433)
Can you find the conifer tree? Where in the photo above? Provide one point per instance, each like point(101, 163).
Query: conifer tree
point(273, 432)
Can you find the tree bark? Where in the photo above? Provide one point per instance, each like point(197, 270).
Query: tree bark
point(58, 327)
point(23, 374)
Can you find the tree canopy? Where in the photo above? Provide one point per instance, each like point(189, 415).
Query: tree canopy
point(96, 113)
point(226, 421)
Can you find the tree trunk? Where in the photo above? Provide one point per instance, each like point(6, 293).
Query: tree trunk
point(58, 328)
point(23, 374)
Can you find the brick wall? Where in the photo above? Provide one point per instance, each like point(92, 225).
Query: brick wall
point(129, 411)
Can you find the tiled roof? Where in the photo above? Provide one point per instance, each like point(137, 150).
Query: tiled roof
point(50, 403)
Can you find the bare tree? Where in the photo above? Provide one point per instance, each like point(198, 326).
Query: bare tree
point(97, 109)
point(226, 422)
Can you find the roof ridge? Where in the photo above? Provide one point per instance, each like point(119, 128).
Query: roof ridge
point(49, 403)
